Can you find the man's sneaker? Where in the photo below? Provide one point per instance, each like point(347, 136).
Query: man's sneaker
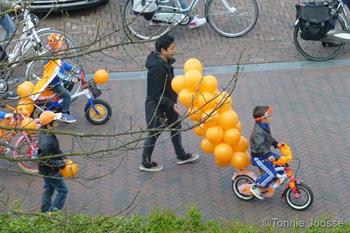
point(150, 167)
point(256, 192)
point(10, 95)
point(196, 22)
point(188, 159)
point(68, 118)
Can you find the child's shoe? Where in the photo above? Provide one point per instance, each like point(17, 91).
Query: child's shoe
point(256, 191)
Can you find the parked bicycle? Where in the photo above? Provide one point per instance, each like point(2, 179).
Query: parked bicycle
point(229, 18)
point(25, 144)
point(30, 41)
point(321, 29)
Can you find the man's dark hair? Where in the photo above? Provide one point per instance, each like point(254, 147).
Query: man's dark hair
point(164, 42)
point(259, 111)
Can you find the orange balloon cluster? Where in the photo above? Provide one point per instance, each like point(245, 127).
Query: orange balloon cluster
point(213, 110)
point(25, 104)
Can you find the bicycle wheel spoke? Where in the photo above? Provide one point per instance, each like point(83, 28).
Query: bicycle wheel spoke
point(146, 29)
point(232, 24)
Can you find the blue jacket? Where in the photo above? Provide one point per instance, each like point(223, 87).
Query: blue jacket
point(2, 115)
point(65, 66)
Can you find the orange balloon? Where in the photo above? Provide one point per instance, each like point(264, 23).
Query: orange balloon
point(194, 114)
point(224, 102)
point(193, 64)
point(232, 136)
point(28, 123)
point(214, 134)
point(209, 84)
point(205, 101)
point(207, 146)
point(223, 153)
point(228, 119)
point(70, 170)
point(186, 97)
point(192, 80)
point(178, 83)
point(242, 144)
point(25, 104)
point(25, 89)
point(210, 118)
point(240, 160)
point(101, 76)
point(199, 130)
point(239, 126)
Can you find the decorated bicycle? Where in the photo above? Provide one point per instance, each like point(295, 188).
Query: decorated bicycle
point(97, 111)
point(296, 193)
point(23, 145)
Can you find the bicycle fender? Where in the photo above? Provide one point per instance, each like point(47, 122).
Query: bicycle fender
point(43, 29)
point(244, 172)
point(297, 181)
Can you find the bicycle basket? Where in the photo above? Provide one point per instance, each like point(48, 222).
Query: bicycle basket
point(315, 20)
point(96, 92)
point(146, 8)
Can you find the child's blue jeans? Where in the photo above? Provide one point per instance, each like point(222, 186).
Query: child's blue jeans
point(50, 185)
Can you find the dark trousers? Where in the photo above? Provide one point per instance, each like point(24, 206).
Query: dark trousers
point(155, 123)
point(50, 185)
point(60, 90)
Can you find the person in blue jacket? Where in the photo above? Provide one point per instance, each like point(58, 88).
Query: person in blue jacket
point(55, 43)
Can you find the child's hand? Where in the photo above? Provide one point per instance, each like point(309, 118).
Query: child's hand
point(271, 158)
point(279, 145)
point(8, 115)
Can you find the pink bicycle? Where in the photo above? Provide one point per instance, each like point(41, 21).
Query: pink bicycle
point(26, 145)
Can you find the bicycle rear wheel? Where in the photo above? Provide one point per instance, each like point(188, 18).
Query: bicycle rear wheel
point(232, 18)
point(316, 50)
point(142, 28)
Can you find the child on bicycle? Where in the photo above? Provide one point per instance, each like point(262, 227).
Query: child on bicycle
point(55, 44)
point(261, 141)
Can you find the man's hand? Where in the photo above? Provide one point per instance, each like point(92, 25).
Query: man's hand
point(271, 158)
point(177, 109)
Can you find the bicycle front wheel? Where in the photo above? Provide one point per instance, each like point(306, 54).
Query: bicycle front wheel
point(318, 50)
point(142, 28)
point(232, 18)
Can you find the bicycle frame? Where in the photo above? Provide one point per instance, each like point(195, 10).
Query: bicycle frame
point(85, 91)
point(186, 11)
point(28, 38)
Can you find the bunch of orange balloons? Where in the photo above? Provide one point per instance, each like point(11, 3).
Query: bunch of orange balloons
point(212, 109)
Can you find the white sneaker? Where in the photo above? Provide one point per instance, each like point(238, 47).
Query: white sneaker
point(152, 167)
point(190, 158)
point(256, 191)
point(196, 22)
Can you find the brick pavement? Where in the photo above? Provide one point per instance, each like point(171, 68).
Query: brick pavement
point(270, 40)
point(310, 113)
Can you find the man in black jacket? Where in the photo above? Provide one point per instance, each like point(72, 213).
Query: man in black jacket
point(49, 167)
point(161, 107)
